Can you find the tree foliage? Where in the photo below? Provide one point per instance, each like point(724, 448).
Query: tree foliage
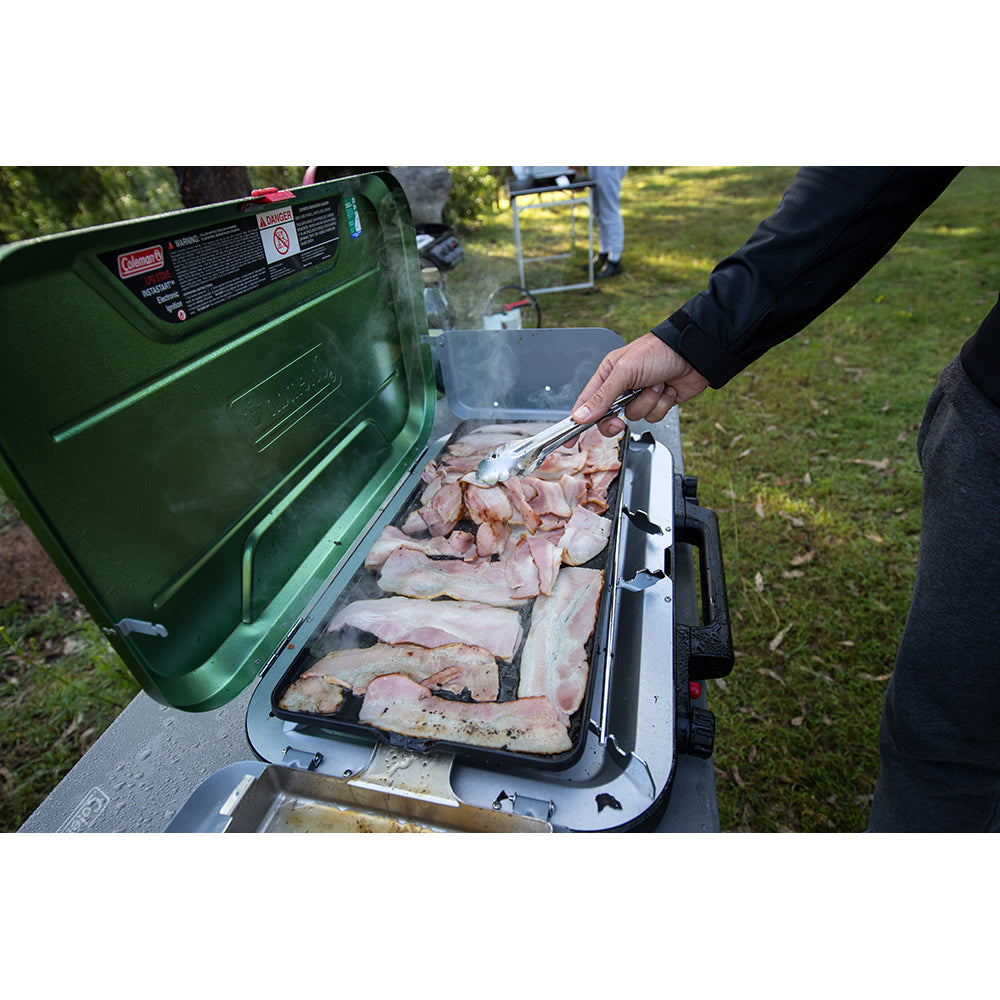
point(36, 201)
point(474, 194)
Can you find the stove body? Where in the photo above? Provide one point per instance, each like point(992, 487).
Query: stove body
point(623, 775)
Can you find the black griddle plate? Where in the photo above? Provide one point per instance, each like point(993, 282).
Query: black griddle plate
point(363, 586)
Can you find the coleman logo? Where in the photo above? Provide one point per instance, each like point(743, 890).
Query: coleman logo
point(273, 406)
point(140, 261)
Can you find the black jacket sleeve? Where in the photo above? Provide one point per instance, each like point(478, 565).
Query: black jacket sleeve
point(832, 226)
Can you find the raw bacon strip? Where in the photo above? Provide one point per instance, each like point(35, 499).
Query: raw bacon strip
point(435, 623)
point(455, 667)
point(491, 538)
point(602, 453)
point(597, 492)
point(550, 497)
point(503, 431)
point(574, 488)
point(457, 545)
point(412, 574)
point(315, 695)
point(527, 725)
point(521, 495)
point(520, 571)
point(561, 463)
point(415, 524)
point(548, 559)
point(434, 478)
point(585, 536)
point(484, 504)
point(444, 510)
point(554, 661)
point(481, 442)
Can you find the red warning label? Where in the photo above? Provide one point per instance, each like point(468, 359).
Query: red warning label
point(277, 234)
point(274, 218)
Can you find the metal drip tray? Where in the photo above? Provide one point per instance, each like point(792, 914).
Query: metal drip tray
point(398, 792)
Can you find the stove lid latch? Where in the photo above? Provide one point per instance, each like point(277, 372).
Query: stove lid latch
point(127, 625)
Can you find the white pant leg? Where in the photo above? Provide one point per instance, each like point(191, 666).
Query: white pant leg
point(607, 208)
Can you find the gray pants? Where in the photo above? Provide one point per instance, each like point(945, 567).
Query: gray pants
point(607, 208)
point(939, 741)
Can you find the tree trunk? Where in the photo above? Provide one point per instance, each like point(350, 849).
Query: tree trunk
point(208, 185)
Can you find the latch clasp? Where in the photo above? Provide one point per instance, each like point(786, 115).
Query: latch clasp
point(127, 625)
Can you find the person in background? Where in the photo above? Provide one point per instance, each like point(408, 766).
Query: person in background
point(939, 737)
point(610, 225)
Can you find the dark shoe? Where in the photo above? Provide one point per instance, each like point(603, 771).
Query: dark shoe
point(599, 261)
point(610, 269)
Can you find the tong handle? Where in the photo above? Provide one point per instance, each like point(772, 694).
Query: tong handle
point(538, 447)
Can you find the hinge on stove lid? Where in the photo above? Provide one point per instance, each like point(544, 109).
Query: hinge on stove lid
point(303, 760)
point(127, 625)
point(525, 805)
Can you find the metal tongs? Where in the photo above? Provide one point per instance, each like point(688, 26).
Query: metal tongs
point(519, 458)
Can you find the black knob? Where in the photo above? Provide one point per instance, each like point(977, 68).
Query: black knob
point(701, 733)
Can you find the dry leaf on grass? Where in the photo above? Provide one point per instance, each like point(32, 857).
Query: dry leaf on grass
point(882, 465)
point(806, 557)
point(779, 638)
point(797, 522)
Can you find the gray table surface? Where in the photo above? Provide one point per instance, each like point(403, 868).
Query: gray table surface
point(153, 758)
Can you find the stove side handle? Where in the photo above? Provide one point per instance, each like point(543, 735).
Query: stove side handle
point(710, 644)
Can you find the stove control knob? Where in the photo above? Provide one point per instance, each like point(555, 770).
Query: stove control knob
point(701, 734)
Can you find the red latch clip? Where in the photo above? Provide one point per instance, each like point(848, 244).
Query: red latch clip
point(267, 195)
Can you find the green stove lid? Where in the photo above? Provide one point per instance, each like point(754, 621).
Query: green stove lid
point(201, 412)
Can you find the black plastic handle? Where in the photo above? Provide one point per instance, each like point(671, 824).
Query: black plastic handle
point(709, 645)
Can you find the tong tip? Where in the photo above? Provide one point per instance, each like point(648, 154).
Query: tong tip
point(489, 472)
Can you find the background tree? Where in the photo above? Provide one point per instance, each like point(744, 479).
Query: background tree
point(208, 185)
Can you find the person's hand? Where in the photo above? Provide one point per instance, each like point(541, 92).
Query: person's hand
point(647, 364)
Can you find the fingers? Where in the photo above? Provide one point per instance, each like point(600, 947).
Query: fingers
point(655, 406)
point(652, 404)
point(648, 364)
point(610, 381)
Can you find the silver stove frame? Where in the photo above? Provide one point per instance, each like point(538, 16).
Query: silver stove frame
point(630, 751)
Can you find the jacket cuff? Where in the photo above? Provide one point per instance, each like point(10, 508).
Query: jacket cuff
point(707, 357)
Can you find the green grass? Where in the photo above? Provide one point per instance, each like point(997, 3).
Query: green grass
point(808, 458)
point(61, 685)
